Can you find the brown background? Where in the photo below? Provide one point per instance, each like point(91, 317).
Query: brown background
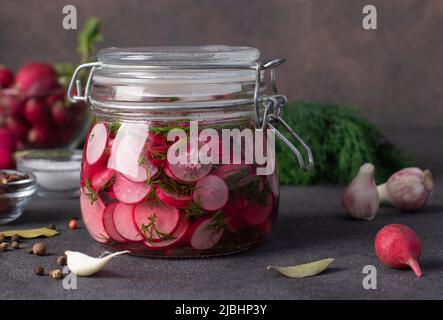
point(394, 73)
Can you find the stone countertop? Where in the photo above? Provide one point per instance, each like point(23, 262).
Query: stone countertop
point(311, 226)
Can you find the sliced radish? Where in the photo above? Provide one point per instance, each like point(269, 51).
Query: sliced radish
point(92, 214)
point(175, 200)
point(155, 153)
point(156, 139)
point(202, 237)
point(212, 192)
point(127, 149)
point(96, 144)
point(229, 170)
point(255, 214)
point(187, 171)
point(166, 218)
point(124, 223)
point(145, 171)
point(102, 178)
point(108, 223)
point(130, 192)
point(178, 237)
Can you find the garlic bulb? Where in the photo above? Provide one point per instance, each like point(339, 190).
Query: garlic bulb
point(360, 200)
point(84, 265)
point(408, 189)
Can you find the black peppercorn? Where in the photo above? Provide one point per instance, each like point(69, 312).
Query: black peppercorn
point(39, 270)
point(15, 238)
point(61, 261)
point(3, 246)
point(15, 245)
point(51, 226)
point(56, 274)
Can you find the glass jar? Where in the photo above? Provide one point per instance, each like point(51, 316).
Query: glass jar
point(171, 167)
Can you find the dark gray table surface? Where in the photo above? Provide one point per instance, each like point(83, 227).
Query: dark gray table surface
point(311, 226)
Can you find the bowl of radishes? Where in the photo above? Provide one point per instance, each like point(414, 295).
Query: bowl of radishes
point(133, 198)
point(34, 109)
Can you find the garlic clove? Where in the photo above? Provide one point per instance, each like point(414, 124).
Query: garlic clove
point(84, 265)
point(360, 200)
point(408, 189)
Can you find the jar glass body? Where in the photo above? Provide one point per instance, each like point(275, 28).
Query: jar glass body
point(133, 198)
point(196, 103)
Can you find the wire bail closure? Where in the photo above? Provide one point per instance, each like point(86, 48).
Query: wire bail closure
point(273, 104)
point(273, 111)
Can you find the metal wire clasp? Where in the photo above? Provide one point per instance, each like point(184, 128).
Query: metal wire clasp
point(272, 115)
point(78, 85)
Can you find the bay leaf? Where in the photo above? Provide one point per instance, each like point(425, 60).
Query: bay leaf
point(304, 270)
point(31, 233)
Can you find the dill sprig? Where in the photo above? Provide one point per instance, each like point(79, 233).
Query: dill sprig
point(217, 223)
point(150, 230)
point(90, 192)
point(113, 127)
point(195, 210)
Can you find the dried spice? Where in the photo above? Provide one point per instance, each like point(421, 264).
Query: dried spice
point(73, 224)
point(15, 238)
point(3, 246)
point(304, 270)
point(31, 233)
point(15, 245)
point(61, 261)
point(56, 274)
point(39, 270)
point(39, 249)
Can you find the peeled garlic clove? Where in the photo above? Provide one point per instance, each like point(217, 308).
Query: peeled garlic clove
point(408, 189)
point(84, 265)
point(360, 200)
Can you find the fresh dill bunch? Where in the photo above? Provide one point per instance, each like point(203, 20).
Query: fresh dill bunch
point(340, 140)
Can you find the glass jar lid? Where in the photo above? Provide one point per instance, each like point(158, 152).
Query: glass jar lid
point(192, 56)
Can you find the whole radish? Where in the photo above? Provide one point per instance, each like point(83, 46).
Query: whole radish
point(6, 77)
point(36, 112)
point(18, 127)
point(61, 114)
point(14, 105)
point(36, 78)
point(6, 159)
point(7, 140)
point(399, 247)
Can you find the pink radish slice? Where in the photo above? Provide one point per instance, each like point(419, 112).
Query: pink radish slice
point(189, 172)
point(166, 218)
point(212, 192)
point(169, 173)
point(130, 192)
point(92, 214)
point(175, 200)
point(97, 142)
point(101, 178)
point(108, 223)
point(256, 214)
point(227, 170)
point(144, 171)
point(156, 139)
point(124, 223)
point(201, 238)
point(179, 236)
